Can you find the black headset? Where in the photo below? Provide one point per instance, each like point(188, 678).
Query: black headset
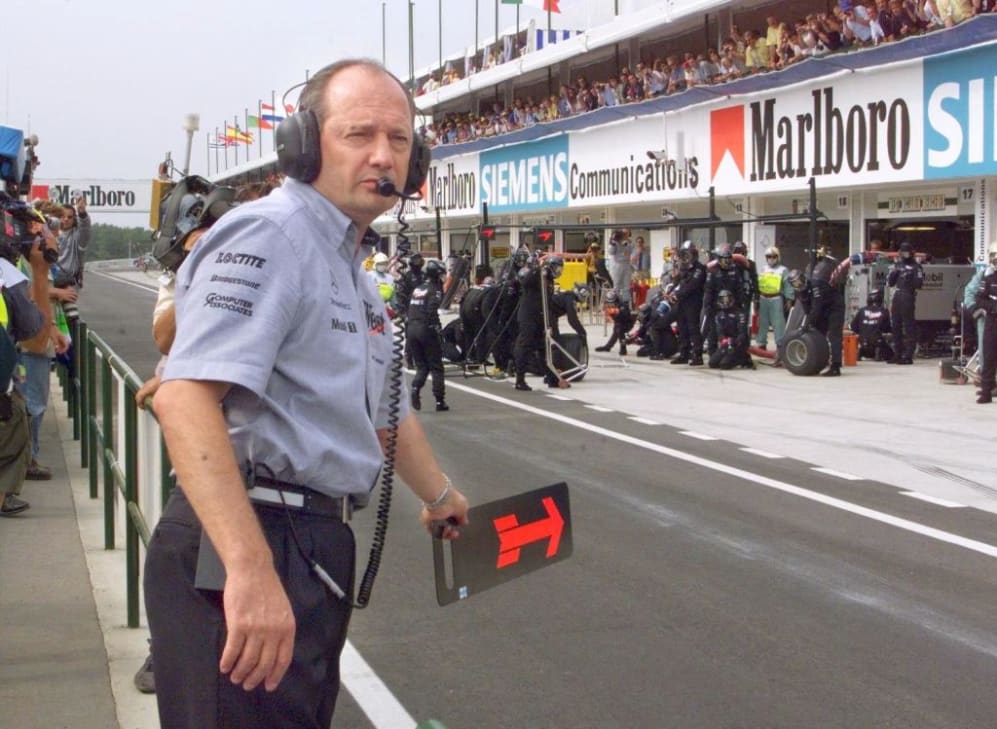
point(299, 151)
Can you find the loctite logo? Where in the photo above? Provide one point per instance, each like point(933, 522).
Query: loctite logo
point(826, 140)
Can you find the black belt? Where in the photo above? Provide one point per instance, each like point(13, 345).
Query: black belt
point(268, 492)
point(770, 296)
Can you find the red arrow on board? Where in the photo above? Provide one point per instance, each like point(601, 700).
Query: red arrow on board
point(512, 536)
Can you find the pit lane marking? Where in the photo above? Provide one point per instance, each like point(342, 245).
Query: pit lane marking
point(933, 500)
point(836, 474)
point(762, 454)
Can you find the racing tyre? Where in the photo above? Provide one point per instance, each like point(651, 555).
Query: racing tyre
point(577, 348)
point(805, 353)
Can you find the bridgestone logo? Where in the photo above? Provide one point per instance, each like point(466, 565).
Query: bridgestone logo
point(237, 281)
point(229, 303)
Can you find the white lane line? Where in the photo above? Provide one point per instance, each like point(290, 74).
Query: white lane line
point(558, 397)
point(973, 545)
point(763, 454)
point(153, 287)
point(599, 408)
point(644, 421)
point(933, 500)
point(697, 436)
point(836, 474)
point(376, 700)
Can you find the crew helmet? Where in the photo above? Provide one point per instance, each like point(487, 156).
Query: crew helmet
point(875, 298)
point(906, 250)
point(725, 299)
point(555, 265)
point(611, 297)
point(688, 253)
point(520, 257)
point(740, 247)
point(725, 256)
point(434, 269)
point(416, 261)
point(772, 252)
point(797, 279)
point(380, 262)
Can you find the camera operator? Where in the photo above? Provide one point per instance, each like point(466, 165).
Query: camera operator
point(30, 325)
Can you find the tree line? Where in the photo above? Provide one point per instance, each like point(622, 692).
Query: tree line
point(109, 242)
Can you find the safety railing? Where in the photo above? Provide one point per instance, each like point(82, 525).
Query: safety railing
point(121, 447)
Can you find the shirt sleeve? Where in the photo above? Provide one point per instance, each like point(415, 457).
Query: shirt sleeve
point(237, 300)
point(26, 319)
point(164, 300)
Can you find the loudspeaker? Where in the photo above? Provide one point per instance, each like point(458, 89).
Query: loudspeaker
point(299, 151)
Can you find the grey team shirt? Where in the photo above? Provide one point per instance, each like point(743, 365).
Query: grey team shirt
point(274, 300)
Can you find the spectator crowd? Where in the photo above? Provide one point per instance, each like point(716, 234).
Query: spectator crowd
point(853, 24)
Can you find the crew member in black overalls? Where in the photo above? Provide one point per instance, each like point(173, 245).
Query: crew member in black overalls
point(412, 277)
point(423, 335)
point(721, 275)
point(688, 297)
point(827, 305)
point(907, 277)
point(623, 321)
point(500, 308)
point(986, 301)
point(530, 316)
point(731, 329)
point(872, 324)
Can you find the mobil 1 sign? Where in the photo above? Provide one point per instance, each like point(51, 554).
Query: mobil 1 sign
point(503, 540)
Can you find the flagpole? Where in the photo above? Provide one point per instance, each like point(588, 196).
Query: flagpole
point(226, 144)
point(259, 123)
point(384, 34)
point(516, 49)
point(496, 22)
point(475, 31)
point(439, 16)
point(249, 145)
point(273, 104)
point(207, 151)
point(548, 21)
point(216, 150)
point(235, 120)
point(411, 45)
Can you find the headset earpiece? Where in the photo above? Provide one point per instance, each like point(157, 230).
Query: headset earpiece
point(299, 151)
point(418, 166)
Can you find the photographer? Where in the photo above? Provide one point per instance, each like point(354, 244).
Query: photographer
point(73, 241)
point(28, 324)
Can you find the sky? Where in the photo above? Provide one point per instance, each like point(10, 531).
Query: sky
point(106, 84)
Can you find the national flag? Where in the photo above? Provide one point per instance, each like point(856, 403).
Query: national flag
point(217, 143)
point(234, 135)
point(544, 5)
point(256, 122)
point(269, 114)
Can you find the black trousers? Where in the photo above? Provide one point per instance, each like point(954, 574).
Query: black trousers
point(902, 318)
point(188, 625)
point(424, 344)
point(529, 343)
point(989, 347)
point(690, 334)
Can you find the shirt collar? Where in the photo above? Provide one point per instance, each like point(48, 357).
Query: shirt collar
point(340, 228)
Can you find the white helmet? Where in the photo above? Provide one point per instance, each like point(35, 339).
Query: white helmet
point(380, 258)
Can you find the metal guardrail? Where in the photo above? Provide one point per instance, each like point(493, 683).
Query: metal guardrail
point(100, 390)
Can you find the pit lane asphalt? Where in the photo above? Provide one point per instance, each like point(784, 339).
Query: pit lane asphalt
point(694, 597)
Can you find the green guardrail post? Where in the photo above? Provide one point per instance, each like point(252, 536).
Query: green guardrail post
point(107, 442)
point(165, 472)
point(430, 724)
point(131, 497)
point(82, 347)
point(91, 415)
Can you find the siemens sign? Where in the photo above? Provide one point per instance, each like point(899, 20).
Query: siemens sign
point(960, 115)
point(525, 177)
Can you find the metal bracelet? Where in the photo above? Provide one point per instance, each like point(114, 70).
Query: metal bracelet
point(438, 501)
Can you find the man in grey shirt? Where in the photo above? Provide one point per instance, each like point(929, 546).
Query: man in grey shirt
point(281, 368)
